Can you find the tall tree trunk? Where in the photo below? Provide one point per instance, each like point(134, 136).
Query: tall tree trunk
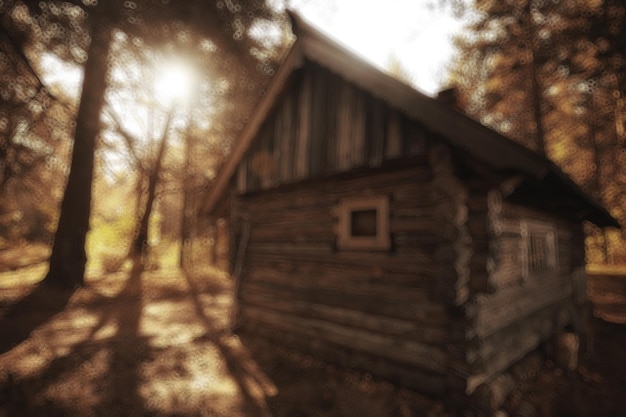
point(188, 212)
point(536, 88)
point(185, 226)
point(68, 258)
point(140, 245)
point(598, 175)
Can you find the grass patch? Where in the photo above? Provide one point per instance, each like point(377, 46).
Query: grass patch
point(22, 256)
point(606, 269)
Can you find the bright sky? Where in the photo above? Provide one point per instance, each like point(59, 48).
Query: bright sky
point(417, 36)
point(407, 31)
point(59, 74)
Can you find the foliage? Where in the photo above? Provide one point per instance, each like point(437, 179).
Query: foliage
point(83, 32)
point(107, 241)
point(550, 75)
point(28, 209)
point(33, 143)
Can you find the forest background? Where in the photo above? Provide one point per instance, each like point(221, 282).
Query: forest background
point(164, 89)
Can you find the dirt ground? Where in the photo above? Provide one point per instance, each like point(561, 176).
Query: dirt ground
point(158, 343)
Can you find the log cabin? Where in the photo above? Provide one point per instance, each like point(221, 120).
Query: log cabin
point(382, 229)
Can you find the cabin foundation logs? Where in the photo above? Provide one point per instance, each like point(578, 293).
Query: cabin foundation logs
point(504, 395)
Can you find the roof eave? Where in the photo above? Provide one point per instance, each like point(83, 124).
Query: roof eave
point(594, 212)
point(456, 128)
point(436, 116)
point(292, 61)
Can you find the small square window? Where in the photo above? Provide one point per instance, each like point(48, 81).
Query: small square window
point(363, 223)
point(539, 247)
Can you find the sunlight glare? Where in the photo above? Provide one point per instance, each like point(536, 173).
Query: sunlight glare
point(61, 76)
point(175, 83)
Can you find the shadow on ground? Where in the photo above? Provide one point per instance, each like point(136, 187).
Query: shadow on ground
point(137, 343)
point(30, 312)
point(158, 343)
point(61, 366)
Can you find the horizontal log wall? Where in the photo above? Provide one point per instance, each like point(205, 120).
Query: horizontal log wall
point(372, 308)
point(324, 125)
point(513, 314)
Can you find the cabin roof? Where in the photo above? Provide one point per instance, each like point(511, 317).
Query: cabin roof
point(459, 130)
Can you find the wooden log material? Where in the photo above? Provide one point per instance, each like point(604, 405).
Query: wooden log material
point(403, 350)
point(324, 125)
point(406, 375)
point(377, 304)
point(448, 303)
point(454, 251)
point(518, 313)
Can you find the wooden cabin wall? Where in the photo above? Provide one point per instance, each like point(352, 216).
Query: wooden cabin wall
point(324, 125)
point(453, 254)
point(373, 310)
point(447, 308)
point(513, 314)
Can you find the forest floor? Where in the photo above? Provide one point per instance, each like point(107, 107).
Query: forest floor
point(158, 343)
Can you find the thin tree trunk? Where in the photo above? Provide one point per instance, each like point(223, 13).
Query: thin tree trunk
point(68, 258)
point(536, 89)
point(598, 174)
point(140, 245)
point(213, 240)
point(184, 221)
point(186, 240)
point(188, 215)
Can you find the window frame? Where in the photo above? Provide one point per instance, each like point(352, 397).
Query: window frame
point(547, 232)
point(347, 206)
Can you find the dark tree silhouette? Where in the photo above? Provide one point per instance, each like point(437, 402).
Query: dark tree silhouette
point(57, 24)
point(33, 129)
point(140, 244)
point(68, 258)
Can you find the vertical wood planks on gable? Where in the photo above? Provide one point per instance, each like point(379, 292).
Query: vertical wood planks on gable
point(393, 147)
point(357, 137)
point(284, 133)
point(323, 124)
point(242, 176)
point(333, 114)
point(344, 127)
point(262, 161)
point(319, 121)
point(302, 143)
point(414, 136)
point(375, 131)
